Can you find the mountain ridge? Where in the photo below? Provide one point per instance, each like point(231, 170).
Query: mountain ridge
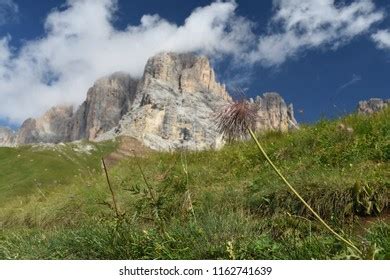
point(170, 107)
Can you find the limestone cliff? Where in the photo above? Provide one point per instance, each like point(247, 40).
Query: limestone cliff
point(7, 137)
point(53, 127)
point(368, 107)
point(176, 99)
point(273, 113)
point(173, 106)
point(107, 101)
point(184, 73)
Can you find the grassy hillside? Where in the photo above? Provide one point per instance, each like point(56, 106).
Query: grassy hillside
point(29, 169)
point(204, 205)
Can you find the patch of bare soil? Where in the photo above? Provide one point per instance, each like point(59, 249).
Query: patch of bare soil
point(127, 148)
point(365, 223)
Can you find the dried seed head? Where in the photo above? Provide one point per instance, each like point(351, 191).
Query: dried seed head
point(235, 119)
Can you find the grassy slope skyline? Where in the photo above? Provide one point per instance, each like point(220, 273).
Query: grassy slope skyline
point(208, 205)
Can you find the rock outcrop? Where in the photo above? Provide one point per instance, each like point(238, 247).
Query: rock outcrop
point(273, 113)
point(372, 105)
point(7, 137)
point(107, 101)
point(176, 99)
point(184, 73)
point(53, 127)
point(173, 106)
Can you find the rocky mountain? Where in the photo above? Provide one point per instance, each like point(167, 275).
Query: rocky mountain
point(173, 106)
point(7, 137)
point(368, 107)
point(273, 113)
point(107, 101)
point(176, 99)
point(53, 127)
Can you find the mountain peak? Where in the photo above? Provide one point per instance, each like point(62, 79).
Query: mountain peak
point(173, 106)
point(368, 107)
point(184, 72)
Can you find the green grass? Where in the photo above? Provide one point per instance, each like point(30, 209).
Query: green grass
point(27, 169)
point(240, 209)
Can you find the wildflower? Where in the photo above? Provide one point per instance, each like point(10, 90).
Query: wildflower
point(236, 118)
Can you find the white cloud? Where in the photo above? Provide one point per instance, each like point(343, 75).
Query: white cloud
point(308, 24)
point(8, 11)
point(382, 39)
point(81, 45)
point(355, 78)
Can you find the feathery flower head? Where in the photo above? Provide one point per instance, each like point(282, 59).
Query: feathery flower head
point(236, 118)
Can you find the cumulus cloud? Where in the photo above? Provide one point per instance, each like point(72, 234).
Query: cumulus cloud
point(382, 39)
point(308, 24)
point(8, 11)
point(81, 44)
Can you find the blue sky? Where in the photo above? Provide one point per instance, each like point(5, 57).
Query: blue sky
point(321, 55)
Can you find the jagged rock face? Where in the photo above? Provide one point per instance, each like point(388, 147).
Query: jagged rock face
point(372, 105)
point(53, 127)
point(175, 104)
point(107, 101)
point(7, 137)
point(184, 73)
point(273, 113)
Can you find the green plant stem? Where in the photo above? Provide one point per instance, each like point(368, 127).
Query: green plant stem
point(153, 197)
point(148, 186)
point(348, 242)
point(117, 212)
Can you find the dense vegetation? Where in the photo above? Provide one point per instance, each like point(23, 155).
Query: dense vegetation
point(56, 204)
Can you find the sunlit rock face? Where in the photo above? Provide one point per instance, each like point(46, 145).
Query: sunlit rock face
point(173, 106)
point(176, 104)
point(7, 137)
point(273, 113)
point(185, 73)
point(107, 101)
point(368, 107)
point(53, 127)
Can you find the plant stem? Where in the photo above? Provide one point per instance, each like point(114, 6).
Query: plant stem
point(348, 242)
point(148, 186)
point(153, 197)
point(111, 190)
